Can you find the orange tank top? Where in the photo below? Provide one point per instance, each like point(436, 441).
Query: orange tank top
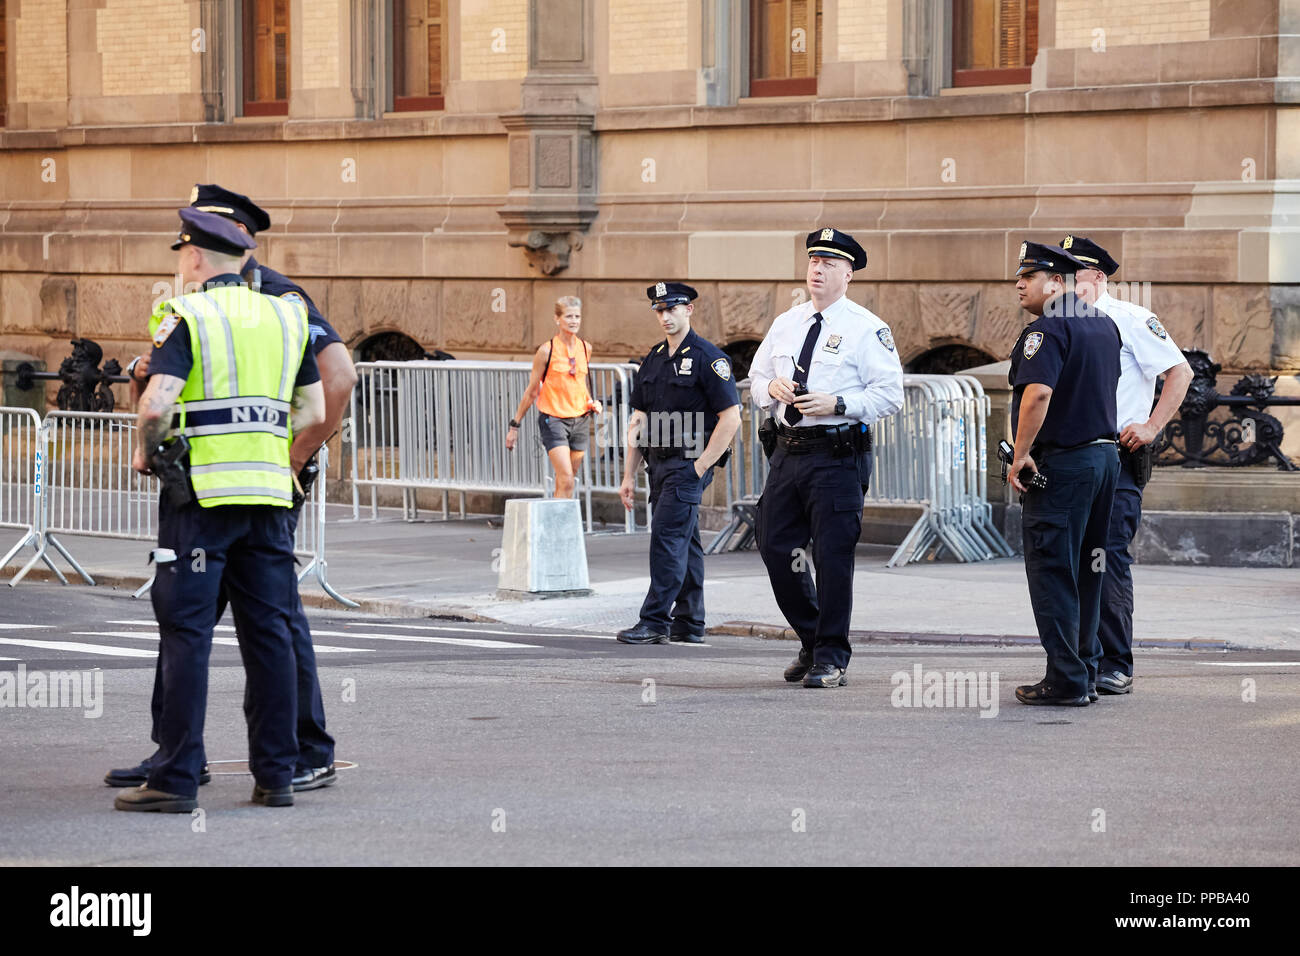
point(564, 384)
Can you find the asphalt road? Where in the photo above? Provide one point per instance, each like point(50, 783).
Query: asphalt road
point(479, 744)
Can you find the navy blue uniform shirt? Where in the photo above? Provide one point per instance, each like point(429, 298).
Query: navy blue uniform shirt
point(174, 356)
point(696, 378)
point(1074, 351)
point(277, 284)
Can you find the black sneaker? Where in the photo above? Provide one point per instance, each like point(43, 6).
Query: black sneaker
point(138, 775)
point(799, 666)
point(314, 778)
point(1045, 693)
point(642, 634)
point(824, 675)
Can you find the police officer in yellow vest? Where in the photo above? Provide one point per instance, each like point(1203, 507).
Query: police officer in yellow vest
point(230, 375)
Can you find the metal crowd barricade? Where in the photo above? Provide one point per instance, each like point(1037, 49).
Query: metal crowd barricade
point(441, 426)
point(82, 483)
point(90, 487)
point(22, 480)
point(931, 454)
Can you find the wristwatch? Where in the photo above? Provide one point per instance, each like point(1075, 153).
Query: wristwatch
point(840, 407)
point(513, 423)
point(130, 368)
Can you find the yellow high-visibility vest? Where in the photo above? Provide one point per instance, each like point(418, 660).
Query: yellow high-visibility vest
point(234, 408)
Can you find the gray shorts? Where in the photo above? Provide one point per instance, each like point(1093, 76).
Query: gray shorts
point(563, 431)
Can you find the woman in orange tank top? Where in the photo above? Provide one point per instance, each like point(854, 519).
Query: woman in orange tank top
point(559, 386)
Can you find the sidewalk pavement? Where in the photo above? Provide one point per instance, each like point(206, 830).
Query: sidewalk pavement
point(447, 569)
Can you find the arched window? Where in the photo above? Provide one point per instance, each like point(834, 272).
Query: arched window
point(948, 360)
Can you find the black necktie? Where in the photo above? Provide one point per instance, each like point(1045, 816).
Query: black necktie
point(792, 414)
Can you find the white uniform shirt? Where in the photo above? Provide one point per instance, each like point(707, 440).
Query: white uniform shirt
point(1148, 351)
point(854, 357)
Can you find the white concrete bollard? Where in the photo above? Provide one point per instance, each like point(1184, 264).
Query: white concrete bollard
point(543, 552)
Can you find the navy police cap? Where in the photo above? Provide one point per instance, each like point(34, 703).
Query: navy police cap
point(1090, 254)
point(207, 230)
point(213, 198)
point(1038, 257)
point(665, 295)
point(839, 245)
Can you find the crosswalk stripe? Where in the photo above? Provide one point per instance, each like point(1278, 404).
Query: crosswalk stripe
point(414, 639)
point(22, 627)
point(223, 641)
point(75, 646)
point(468, 642)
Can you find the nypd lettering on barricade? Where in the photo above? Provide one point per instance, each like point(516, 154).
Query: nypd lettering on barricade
point(74, 909)
point(57, 689)
point(40, 471)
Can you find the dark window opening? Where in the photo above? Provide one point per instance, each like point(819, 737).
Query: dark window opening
point(948, 360)
point(266, 57)
point(741, 355)
point(785, 47)
point(419, 33)
point(994, 42)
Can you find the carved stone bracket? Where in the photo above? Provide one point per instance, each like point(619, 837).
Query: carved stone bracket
point(551, 142)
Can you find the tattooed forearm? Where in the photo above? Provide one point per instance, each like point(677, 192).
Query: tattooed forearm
point(156, 406)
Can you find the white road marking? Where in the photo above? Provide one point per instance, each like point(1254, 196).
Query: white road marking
point(22, 627)
point(84, 648)
point(224, 641)
point(1248, 663)
point(458, 641)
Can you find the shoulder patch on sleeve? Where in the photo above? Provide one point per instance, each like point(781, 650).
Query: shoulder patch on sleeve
point(1033, 342)
point(293, 296)
point(886, 338)
point(1156, 328)
point(723, 368)
point(165, 328)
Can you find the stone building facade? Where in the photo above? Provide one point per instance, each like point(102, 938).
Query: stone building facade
point(445, 169)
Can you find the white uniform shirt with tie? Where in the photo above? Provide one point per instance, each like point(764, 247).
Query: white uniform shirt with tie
point(1148, 351)
point(855, 358)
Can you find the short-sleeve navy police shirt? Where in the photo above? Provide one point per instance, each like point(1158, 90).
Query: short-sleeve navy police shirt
point(277, 284)
point(1073, 349)
point(696, 378)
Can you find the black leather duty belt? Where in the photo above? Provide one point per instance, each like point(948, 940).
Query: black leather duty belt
point(843, 438)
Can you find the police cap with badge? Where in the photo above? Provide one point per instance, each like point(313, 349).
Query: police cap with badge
point(1090, 254)
point(666, 295)
point(1040, 257)
point(837, 245)
point(210, 197)
point(207, 230)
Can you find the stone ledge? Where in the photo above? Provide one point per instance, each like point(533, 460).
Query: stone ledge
point(1198, 538)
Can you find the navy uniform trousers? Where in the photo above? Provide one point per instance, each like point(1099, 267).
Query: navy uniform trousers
point(1065, 528)
point(248, 550)
point(817, 496)
point(315, 745)
point(675, 601)
point(1116, 630)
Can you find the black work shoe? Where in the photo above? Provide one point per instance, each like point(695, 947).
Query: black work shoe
point(276, 797)
point(685, 637)
point(139, 775)
point(1045, 693)
point(642, 634)
point(314, 778)
point(824, 675)
point(799, 666)
point(142, 799)
point(1092, 694)
point(1114, 682)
